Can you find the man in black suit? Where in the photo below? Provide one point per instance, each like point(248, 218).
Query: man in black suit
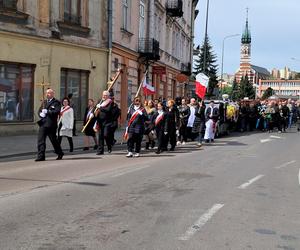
point(48, 113)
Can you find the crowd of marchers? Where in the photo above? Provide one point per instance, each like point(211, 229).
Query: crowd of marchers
point(164, 124)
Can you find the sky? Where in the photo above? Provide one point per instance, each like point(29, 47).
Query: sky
point(274, 26)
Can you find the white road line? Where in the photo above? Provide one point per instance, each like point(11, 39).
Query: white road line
point(201, 222)
point(275, 137)
point(129, 171)
point(248, 183)
point(285, 164)
point(265, 140)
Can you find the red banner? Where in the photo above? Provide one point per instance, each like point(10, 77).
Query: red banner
point(159, 70)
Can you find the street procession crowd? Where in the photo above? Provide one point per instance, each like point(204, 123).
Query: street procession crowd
point(164, 124)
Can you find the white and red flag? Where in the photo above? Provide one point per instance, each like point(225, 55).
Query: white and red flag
point(148, 89)
point(201, 84)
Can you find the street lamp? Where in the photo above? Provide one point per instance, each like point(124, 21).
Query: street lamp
point(223, 52)
point(205, 38)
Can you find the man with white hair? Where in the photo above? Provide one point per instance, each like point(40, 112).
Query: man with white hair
point(48, 112)
point(103, 113)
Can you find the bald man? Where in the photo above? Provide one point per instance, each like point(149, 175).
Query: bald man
point(48, 113)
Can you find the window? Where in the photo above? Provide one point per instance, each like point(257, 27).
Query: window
point(75, 82)
point(72, 11)
point(142, 20)
point(125, 15)
point(16, 92)
point(8, 4)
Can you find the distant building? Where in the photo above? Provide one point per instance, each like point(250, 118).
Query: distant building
point(246, 68)
point(288, 88)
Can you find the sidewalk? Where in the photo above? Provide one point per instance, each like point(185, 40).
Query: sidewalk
point(22, 145)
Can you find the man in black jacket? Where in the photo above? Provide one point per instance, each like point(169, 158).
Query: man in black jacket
point(103, 115)
point(48, 113)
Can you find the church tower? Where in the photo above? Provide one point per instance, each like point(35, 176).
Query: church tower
point(245, 62)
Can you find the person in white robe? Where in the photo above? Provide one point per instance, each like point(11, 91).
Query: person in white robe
point(66, 123)
point(212, 114)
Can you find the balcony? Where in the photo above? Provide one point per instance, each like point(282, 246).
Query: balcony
point(174, 8)
point(9, 12)
point(149, 49)
point(186, 68)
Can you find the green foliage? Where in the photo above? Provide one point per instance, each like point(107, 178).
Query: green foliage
point(269, 92)
point(246, 89)
point(210, 68)
point(235, 91)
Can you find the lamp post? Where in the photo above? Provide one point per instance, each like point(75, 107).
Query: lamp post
point(223, 46)
point(205, 38)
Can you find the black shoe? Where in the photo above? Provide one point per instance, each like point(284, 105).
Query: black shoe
point(158, 152)
point(152, 144)
point(100, 153)
point(85, 148)
point(172, 149)
point(147, 145)
point(109, 151)
point(39, 159)
point(59, 157)
point(95, 147)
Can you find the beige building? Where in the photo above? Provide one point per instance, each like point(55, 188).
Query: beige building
point(158, 38)
point(62, 42)
point(288, 88)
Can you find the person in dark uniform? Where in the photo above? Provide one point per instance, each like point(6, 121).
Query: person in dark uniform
point(172, 119)
point(184, 113)
point(48, 113)
point(89, 130)
point(116, 113)
point(72, 105)
point(135, 128)
point(103, 114)
point(160, 126)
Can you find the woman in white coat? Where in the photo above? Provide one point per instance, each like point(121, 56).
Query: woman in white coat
point(66, 122)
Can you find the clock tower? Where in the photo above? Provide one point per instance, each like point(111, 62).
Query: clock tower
point(245, 62)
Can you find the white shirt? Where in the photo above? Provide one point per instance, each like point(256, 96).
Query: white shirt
point(191, 117)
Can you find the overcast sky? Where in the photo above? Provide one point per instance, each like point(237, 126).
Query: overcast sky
point(274, 25)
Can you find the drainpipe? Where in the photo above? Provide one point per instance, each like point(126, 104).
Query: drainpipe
point(110, 34)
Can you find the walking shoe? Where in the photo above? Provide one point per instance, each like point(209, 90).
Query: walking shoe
point(199, 144)
point(183, 143)
point(59, 157)
point(178, 143)
point(136, 155)
point(152, 144)
point(109, 151)
point(95, 147)
point(129, 154)
point(39, 159)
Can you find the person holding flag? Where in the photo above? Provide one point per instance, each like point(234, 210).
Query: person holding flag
point(135, 128)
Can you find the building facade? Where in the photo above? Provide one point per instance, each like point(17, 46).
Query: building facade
point(288, 88)
point(157, 39)
point(61, 42)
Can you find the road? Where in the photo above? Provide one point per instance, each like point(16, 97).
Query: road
point(242, 192)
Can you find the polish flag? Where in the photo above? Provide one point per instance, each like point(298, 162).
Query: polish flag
point(201, 84)
point(147, 88)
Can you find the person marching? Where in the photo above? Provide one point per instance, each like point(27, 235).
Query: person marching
point(89, 130)
point(66, 123)
point(135, 128)
point(48, 112)
point(172, 120)
point(160, 125)
point(211, 114)
point(103, 113)
point(116, 113)
point(199, 123)
point(150, 110)
point(184, 113)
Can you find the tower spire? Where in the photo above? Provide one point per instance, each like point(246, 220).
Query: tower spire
point(246, 37)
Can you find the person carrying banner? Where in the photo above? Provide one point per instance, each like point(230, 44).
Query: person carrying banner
point(135, 128)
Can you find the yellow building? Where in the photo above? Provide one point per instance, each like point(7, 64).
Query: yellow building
point(57, 41)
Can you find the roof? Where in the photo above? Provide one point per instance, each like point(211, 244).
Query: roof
point(246, 37)
point(261, 70)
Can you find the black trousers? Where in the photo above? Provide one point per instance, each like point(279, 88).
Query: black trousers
point(70, 140)
point(134, 142)
point(42, 135)
point(160, 140)
point(171, 137)
point(183, 133)
point(104, 134)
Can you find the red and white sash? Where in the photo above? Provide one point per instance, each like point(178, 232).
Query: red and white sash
point(62, 111)
point(131, 120)
point(159, 118)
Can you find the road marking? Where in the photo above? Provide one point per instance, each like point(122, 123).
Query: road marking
point(285, 164)
point(129, 171)
point(201, 222)
point(275, 137)
point(265, 140)
point(248, 183)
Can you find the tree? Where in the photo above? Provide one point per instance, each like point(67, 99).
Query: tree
point(269, 92)
point(246, 88)
point(210, 68)
point(235, 91)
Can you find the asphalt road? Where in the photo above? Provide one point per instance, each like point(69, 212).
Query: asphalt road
point(241, 192)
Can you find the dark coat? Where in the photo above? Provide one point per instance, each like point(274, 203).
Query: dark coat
point(53, 110)
point(105, 116)
point(172, 119)
point(199, 122)
point(116, 113)
point(162, 126)
point(89, 130)
point(215, 114)
point(184, 113)
point(138, 125)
